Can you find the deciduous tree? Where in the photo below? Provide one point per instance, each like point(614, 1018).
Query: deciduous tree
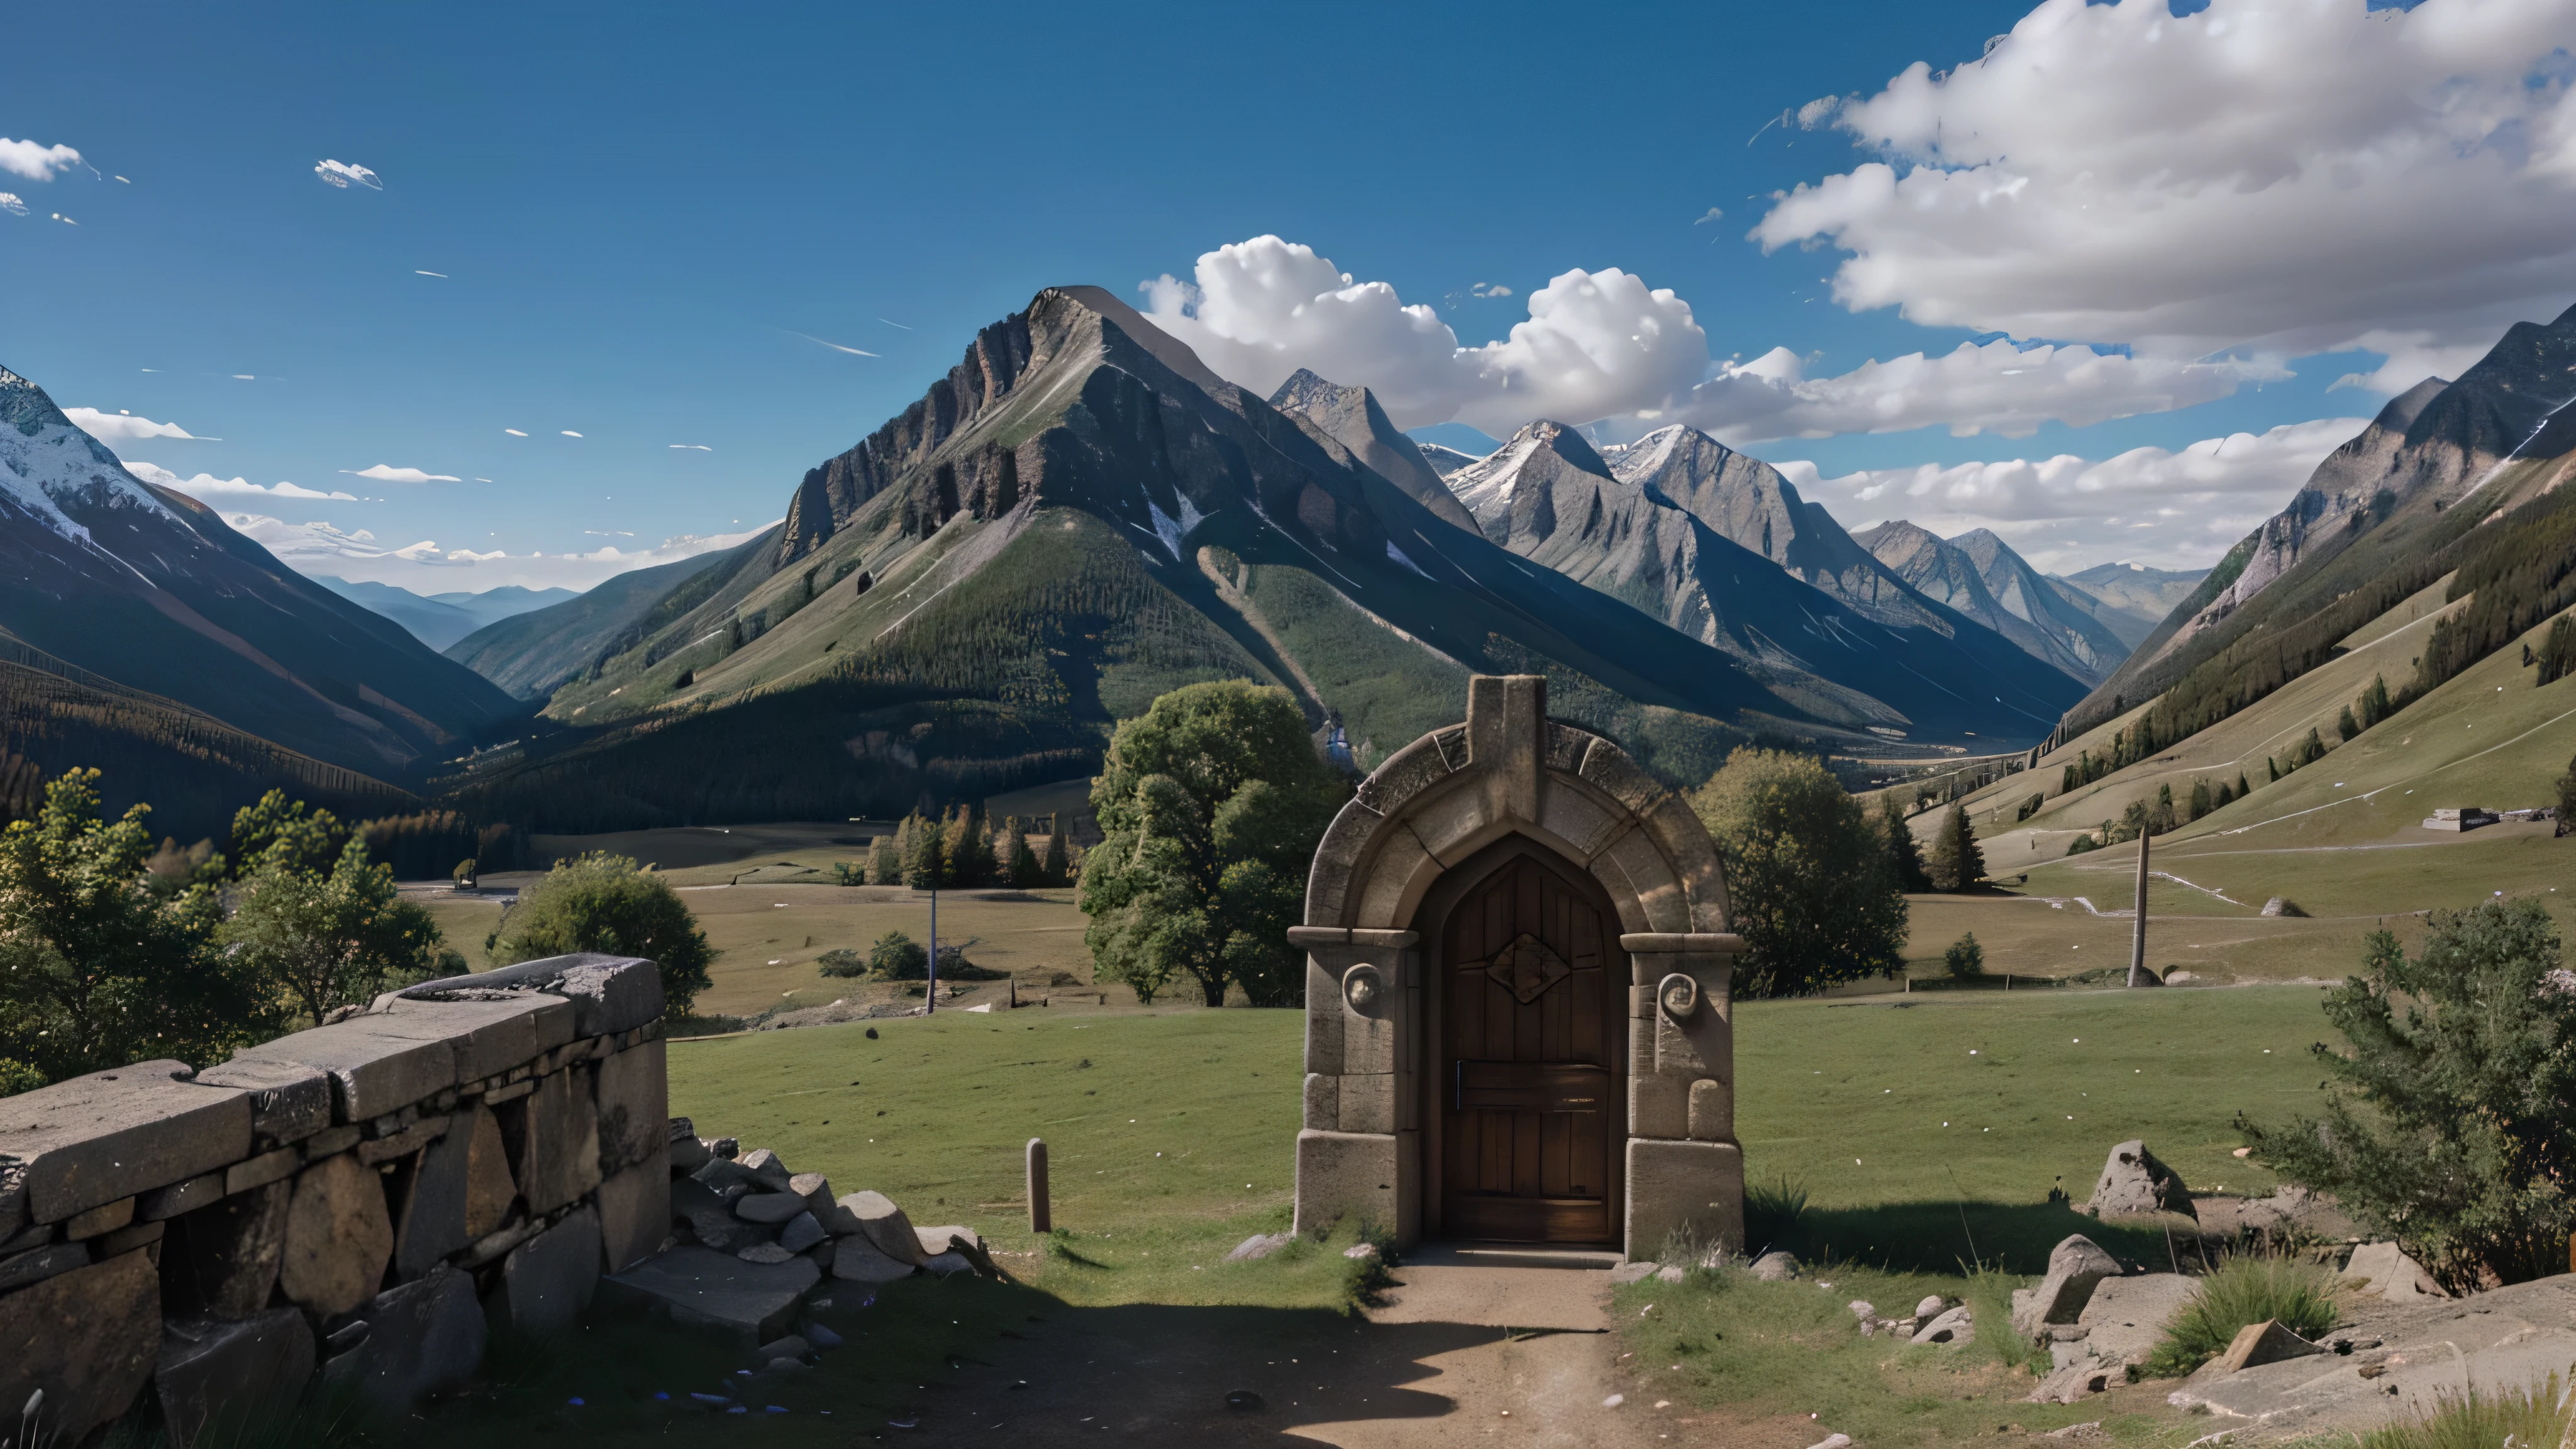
point(326, 940)
point(1811, 884)
point(602, 903)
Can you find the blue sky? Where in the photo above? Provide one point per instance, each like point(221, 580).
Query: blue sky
point(643, 216)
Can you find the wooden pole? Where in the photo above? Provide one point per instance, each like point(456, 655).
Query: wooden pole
point(1041, 1215)
point(2138, 928)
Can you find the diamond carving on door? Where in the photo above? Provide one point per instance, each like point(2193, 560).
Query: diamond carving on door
point(1532, 1110)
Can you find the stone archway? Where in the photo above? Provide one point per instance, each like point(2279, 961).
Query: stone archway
point(1426, 829)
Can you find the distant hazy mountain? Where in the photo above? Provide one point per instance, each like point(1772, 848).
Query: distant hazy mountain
point(439, 620)
point(1979, 575)
point(150, 589)
point(1079, 517)
point(532, 652)
point(2131, 599)
point(1547, 495)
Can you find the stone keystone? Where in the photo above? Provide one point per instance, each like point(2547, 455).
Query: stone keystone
point(2075, 1267)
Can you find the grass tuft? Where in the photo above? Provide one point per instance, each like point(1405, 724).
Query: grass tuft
point(1775, 1215)
point(2538, 1417)
point(2245, 1290)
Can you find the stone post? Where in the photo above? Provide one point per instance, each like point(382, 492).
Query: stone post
point(2138, 927)
point(1358, 1155)
point(1041, 1214)
point(1685, 1169)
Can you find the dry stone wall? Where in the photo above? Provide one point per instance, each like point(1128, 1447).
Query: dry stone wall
point(359, 1202)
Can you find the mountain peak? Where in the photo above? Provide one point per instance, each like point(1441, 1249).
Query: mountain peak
point(1352, 417)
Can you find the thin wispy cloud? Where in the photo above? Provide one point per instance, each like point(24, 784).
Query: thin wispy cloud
point(836, 347)
point(417, 272)
point(65, 220)
point(890, 322)
point(10, 203)
point(36, 162)
point(514, 432)
point(341, 174)
point(694, 447)
point(387, 473)
point(569, 433)
point(209, 487)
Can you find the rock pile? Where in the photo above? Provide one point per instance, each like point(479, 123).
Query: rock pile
point(749, 1204)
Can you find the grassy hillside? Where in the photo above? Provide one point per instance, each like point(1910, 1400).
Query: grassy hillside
point(531, 654)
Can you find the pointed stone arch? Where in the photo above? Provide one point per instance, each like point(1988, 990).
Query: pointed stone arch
point(1511, 783)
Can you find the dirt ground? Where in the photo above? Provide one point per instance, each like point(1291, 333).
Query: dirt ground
point(1461, 1352)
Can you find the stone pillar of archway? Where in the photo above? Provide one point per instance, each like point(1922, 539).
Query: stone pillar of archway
point(1509, 770)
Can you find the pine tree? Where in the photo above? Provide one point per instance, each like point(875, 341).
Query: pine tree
point(2201, 801)
point(2346, 725)
point(926, 865)
point(885, 861)
point(1057, 868)
point(1025, 871)
point(2242, 789)
point(1957, 864)
point(1905, 858)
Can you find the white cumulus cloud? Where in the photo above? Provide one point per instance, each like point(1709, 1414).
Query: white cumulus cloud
point(1606, 346)
point(2281, 176)
point(36, 162)
point(10, 203)
point(2172, 509)
point(387, 473)
point(123, 427)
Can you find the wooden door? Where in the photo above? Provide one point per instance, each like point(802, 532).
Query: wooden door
point(1531, 1087)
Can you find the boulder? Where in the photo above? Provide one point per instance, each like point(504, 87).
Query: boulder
point(2134, 1181)
point(750, 1303)
point(716, 1227)
point(2072, 1382)
point(1956, 1325)
point(1776, 1266)
point(687, 1151)
point(221, 1260)
point(2383, 1269)
point(800, 1232)
point(722, 1173)
point(768, 1207)
point(1930, 1307)
point(421, 1337)
point(947, 1265)
point(763, 1253)
point(337, 1237)
point(857, 1260)
point(767, 1169)
point(87, 1338)
point(548, 1280)
point(886, 1226)
point(814, 1187)
point(227, 1372)
point(2257, 1343)
point(2075, 1267)
point(2127, 1317)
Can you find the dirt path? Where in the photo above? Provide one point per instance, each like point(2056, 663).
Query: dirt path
point(1465, 1351)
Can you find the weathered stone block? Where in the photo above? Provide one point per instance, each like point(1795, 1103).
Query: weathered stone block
point(1608, 769)
point(634, 1096)
point(375, 1068)
point(37, 1264)
point(1580, 818)
point(421, 1337)
point(1712, 1111)
point(1450, 825)
point(179, 1197)
point(338, 1237)
point(749, 1303)
point(1386, 893)
point(1368, 1103)
point(609, 993)
point(1337, 856)
point(262, 1170)
point(885, 1225)
point(1636, 865)
point(2076, 1267)
point(548, 1280)
point(1345, 1175)
point(489, 1037)
point(433, 1190)
point(88, 1338)
point(489, 1189)
point(107, 1217)
point(634, 1215)
point(767, 1169)
point(221, 1260)
point(404, 1143)
point(556, 1156)
point(91, 1140)
point(1658, 1105)
point(1323, 1102)
point(1692, 1188)
point(130, 1237)
point(1323, 1014)
point(858, 1260)
point(769, 1208)
point(288, 1101)
point(1405, 774)
point(229, 1373)
point(800, 1232)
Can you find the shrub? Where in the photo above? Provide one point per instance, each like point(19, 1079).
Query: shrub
point(1965, 959)
point(1775, 1215)
point(2086, 841)
point(2452, 1127)
point(604, 903)
point(2243, 1291)
point(897, 957)
point(2030, 807)
point(841, 961)
point(2540, 1416)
